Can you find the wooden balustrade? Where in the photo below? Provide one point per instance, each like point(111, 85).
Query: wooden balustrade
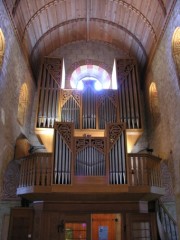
point(144, 169)
point(36, 170)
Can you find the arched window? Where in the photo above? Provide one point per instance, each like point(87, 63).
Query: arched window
point(98, 76)
point(2, 47)
point(176, 49)
point(154, 102)
point(23, 98)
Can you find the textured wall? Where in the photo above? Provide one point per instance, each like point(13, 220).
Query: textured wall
point(13, 74)
point(164, 135)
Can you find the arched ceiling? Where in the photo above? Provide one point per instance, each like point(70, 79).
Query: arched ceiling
point(132, 25)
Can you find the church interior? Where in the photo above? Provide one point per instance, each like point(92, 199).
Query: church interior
point(89, 119)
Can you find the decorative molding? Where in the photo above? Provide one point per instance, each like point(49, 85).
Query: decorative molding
point(66, 131)
point(110, 94)
point(98, 143)
point(54, 67)
point(124, 67)
point(114, 131)
point(66, 94)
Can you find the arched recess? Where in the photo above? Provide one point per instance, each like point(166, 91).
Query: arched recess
point(154, 103)
point(2, 47)
point(176, 50)
point(23, 99)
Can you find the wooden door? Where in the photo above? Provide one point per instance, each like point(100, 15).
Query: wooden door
point(106, 226)
point(21, 224)
point(59, 226)
point(77, 227)
point(141, 226)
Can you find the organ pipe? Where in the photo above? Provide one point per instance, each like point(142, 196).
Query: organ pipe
point(90, 162)
point(48, 99)
point(70, 112)
point(117, 161)
point(89, 109)
point(129, 99)
point(62, 161)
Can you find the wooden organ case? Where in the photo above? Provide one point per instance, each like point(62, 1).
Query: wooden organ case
point(90, 169)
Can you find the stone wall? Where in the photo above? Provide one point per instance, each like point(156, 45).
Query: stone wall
point(13, 74)
point(164, 136)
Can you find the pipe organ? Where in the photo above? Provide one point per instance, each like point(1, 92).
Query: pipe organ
point(89, 156)
point(89, 109)
point(108, 110)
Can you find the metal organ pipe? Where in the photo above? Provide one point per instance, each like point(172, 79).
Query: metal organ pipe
point(124, 103)
point(48, 99)
point(50, 93)
point(41, 98)
point(117, 160)
point(89, 109)
point(70, 112)
point(126, 88)
point(46, 90)
point(123, 157)
point(131, 94)
point(136, 96)
point(90, 162)
point(62, 161)
point(107, 112)
point(129, 100)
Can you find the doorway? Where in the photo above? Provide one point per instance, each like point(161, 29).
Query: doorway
point(106, 226)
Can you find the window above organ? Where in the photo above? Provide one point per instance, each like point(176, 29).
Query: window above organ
point(99, 77)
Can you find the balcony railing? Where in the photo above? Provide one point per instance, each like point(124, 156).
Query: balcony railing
point(144, 169)
point(37, 170)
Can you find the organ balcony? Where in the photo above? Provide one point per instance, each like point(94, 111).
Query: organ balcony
point(88, 167)
point(89, 136)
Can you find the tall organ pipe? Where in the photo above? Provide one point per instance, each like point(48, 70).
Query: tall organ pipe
point(117, 159)
point(132, 107)
point(129, 100)
point(48, 100)
point(41, 97)
point(62, 161)
point(135, 87)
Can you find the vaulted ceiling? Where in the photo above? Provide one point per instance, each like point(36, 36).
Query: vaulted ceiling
point(132, 25)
